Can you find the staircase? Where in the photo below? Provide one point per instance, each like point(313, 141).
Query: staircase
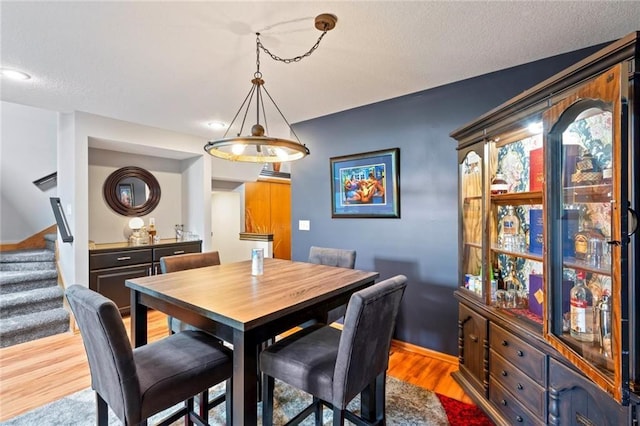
point(31, 301)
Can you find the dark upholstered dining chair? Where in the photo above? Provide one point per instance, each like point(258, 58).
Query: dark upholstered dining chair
point(341, 258)
point(138, 383)
point(181, 262)
point(334, 366)
point(332, 257)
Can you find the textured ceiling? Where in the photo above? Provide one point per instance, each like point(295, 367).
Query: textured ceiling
point(178, 65)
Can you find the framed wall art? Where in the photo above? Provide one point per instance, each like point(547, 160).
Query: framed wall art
point(366, 185)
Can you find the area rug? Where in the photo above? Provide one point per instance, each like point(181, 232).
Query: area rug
point(406, 404)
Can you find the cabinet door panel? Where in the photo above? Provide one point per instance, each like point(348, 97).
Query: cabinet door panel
point(110, 283)
point(573, 400)
point(473, 347)
point(585, 146)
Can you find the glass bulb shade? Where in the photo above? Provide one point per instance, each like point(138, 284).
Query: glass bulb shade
point(136, 223)
point(238, 148)
point(257, 149)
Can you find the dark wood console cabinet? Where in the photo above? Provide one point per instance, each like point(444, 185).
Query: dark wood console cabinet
point(110, 265)
point(549, 284)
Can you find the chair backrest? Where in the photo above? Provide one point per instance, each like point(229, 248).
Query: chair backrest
point(113, 370)
point(180, 262)
point(363, 352)
point(332, 257)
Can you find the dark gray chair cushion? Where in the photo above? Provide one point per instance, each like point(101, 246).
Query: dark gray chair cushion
point(336, 366)
point(137, 383)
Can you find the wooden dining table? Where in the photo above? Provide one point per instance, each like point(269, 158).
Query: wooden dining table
point(245, 310)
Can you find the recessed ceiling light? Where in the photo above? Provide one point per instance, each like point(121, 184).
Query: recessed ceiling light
point(217, 125)
point(14, 74)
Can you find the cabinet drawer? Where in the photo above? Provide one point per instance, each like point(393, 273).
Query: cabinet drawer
point(524, 357)
point(525, 390)
point(119, 258)
point(178, 249)
point(513, 412)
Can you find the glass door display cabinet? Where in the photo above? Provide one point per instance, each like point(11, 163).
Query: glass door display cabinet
point(549, 289)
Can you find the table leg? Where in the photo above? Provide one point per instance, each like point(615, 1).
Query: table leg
point(245, 380)
point(138, 321)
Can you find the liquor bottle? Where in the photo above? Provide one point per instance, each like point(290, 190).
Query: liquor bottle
point(581, 300)
point(152, 230)
point(510, 229)
point(500, 280)
point(499, 184)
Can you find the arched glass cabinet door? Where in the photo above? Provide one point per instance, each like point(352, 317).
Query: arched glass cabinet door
point(471, 210)
point(584, 238)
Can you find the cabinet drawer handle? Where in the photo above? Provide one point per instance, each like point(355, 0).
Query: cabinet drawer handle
point(519, 386)
point(473, 338)
point(519, 419)
point(504, 373)
point(520, 353)
point(505, 343)
point(178, 252)
point(124, 258)
point(504, 402)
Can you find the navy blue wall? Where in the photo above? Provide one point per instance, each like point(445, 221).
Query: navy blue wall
point(422, 244)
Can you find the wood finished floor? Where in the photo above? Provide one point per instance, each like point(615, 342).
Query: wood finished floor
point(36, 373)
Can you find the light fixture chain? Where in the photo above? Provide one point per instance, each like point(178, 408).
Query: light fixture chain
point(288, 60)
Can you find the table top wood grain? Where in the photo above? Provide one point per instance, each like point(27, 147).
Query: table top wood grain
point(229, 294)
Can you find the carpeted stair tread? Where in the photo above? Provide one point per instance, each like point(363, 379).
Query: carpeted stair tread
point(35, 255)
point(24, 328)
point(17, 281)
point(10, 277)
point(32, 301)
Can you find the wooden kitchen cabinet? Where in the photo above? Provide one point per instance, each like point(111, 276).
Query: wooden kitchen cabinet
point(110, 265)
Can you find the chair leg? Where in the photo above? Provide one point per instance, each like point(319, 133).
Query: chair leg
point(338, 417)
point(102, 411)
point(268, 383)
point(380, 396)
point(318, 411)
point(187, 417)
point(203, 404)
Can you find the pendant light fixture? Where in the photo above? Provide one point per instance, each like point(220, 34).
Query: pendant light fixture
point(258, 147)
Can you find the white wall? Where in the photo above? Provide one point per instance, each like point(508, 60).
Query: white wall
point(27, 152)
point(226, 224)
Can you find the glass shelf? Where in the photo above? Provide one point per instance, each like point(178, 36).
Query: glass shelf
point(588, 194)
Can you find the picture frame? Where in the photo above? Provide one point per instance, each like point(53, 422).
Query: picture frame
point(125, 194)
point(366, 185)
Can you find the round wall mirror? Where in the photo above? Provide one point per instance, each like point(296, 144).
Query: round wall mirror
point(131, 191)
